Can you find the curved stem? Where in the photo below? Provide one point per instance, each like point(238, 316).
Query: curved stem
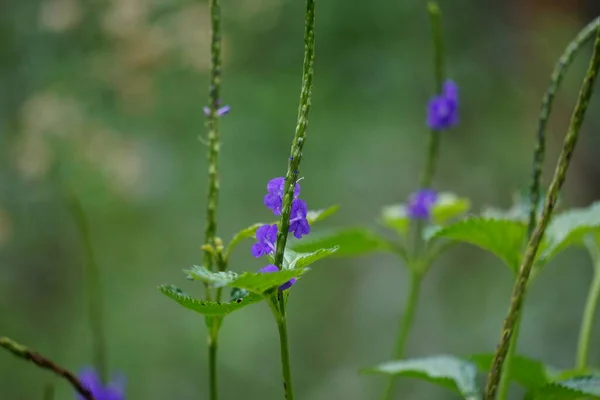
point(23, 352)
point(504, 384)
point(404, 329)
point(587, 322)
point(520, 286)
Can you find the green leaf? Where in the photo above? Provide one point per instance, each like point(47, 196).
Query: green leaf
point(449, 206)
point(504, 238)
point(448, 371)
point(214, 279)
point(295, 260)
point(249, 232)
point(528, 372)
point(208, 308)
point(569, 228)
point(259, 283)
point(351, 242)
point(395, 218)
point(577, 388)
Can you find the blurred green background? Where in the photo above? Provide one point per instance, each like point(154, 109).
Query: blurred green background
point(114, 90)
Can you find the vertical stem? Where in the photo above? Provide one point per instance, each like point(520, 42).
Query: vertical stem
point(48, 392)
point(93, 289)
point(285, 358)
point(214, 145)
point(587, 322)
point(560, 70)
point(520, 287)
point(406, 323)
point(435, 18)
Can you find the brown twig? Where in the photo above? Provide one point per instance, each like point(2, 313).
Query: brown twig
point(42, 362)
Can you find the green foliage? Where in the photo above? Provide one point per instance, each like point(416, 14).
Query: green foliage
point(529, 373)
point(444, 370)
point(351, 242)
point(504, 238)
point(576, 388)
point(249, 232)
point(449, 206)
point(294, 260)
point(207, 308)
point(214, 279)
point(395, 218)
point(259, 283)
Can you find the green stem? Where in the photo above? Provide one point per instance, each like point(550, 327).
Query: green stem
point(300, 136)
point(587, 322)
point(504, 383)
point(285, 358)
point(520, 286)
point(29, 355)
point(435, 18)
point(560, 70)
point(212, 365)
point(48, 393)
point(404, 329)
point(93, 289)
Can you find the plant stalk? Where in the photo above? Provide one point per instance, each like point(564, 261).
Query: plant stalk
point(285, 359)
point(587, 323)
point(520, 287)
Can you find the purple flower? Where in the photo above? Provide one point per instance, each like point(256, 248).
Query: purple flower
point(90, 379)
point(420, 204)
point(442, 110)
point(274, 198)
point(266, 237)
point(273, 268)
point(298, 223)
point(220, 110)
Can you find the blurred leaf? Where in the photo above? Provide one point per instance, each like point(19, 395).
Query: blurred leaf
point(249, 232)
point(449, 206)
point(569, 228)
point(351, 242)
point(448, 371)
point(528, 372)
point(504, 238)
point(295, 260)
point(577, 388)
point(208, 308)
point(259, 283)
point(395, 218)
point(215, 279)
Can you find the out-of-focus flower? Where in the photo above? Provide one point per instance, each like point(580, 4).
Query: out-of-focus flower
point(90, 379)
point(420, 204)
point(442, 109)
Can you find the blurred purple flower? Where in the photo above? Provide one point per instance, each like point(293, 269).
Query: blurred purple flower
point(274, 198)
point(298, 222)
point(90, 379)
point(273, 268)
point(220, 110)
point(442, 110)
point(420, 204)
point(266, 237)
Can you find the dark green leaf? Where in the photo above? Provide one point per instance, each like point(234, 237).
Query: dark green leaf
point(448, 371)
point(259, 283)
point(530, 373)
point(351, 242)
point(449, 206)
point(294, 260)
point(214, 279)
point(208, 308)
point(504, 238)
point(577, 388)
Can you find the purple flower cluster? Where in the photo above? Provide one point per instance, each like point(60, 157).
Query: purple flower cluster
point(420, 204)
point(220, 110)
point(91, 381)
point(442, 110)
point(266, 235)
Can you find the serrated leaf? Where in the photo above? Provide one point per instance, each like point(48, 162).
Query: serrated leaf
point(259, 283)
point(577, 388)
point(214, 279)
point(351, 242)
point(569, 228)
point(207, 308)
point(293, 259)
point(444, 370)
point(449, 206)
point(528, 372)
point(394, 217)
point(504, 238)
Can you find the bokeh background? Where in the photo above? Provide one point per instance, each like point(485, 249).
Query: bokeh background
point(112, 92)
